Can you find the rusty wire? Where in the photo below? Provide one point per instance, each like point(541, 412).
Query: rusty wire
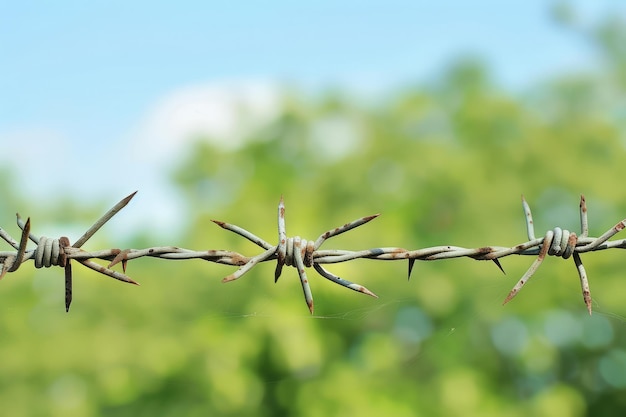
point(302, 253)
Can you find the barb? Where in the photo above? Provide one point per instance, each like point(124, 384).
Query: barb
point(302, 254)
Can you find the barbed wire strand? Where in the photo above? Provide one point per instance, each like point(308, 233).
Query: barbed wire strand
point(302, 254)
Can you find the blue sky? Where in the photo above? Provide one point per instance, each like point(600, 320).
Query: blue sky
point(83, 82)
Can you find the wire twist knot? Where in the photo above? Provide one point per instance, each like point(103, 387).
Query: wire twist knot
point(51, 252)
point(305, 247)
point(560, 242)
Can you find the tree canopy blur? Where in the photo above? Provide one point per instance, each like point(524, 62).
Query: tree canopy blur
point(444, 164)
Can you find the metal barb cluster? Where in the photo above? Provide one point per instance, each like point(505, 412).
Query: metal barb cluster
point(301, 253)
point(59, 251)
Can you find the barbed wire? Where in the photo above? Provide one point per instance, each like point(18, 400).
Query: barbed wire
point(301, 253)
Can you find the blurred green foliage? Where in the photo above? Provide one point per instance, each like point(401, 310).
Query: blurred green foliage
point(444, 165)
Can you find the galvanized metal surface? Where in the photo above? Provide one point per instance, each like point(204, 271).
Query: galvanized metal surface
point(302, 254)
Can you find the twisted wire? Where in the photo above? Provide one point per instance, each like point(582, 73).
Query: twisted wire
point(302, 253)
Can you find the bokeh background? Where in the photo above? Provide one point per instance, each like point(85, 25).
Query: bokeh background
point(437, 116)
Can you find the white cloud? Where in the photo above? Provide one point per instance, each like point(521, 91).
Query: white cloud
point(48, 162)
point(221, 112)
